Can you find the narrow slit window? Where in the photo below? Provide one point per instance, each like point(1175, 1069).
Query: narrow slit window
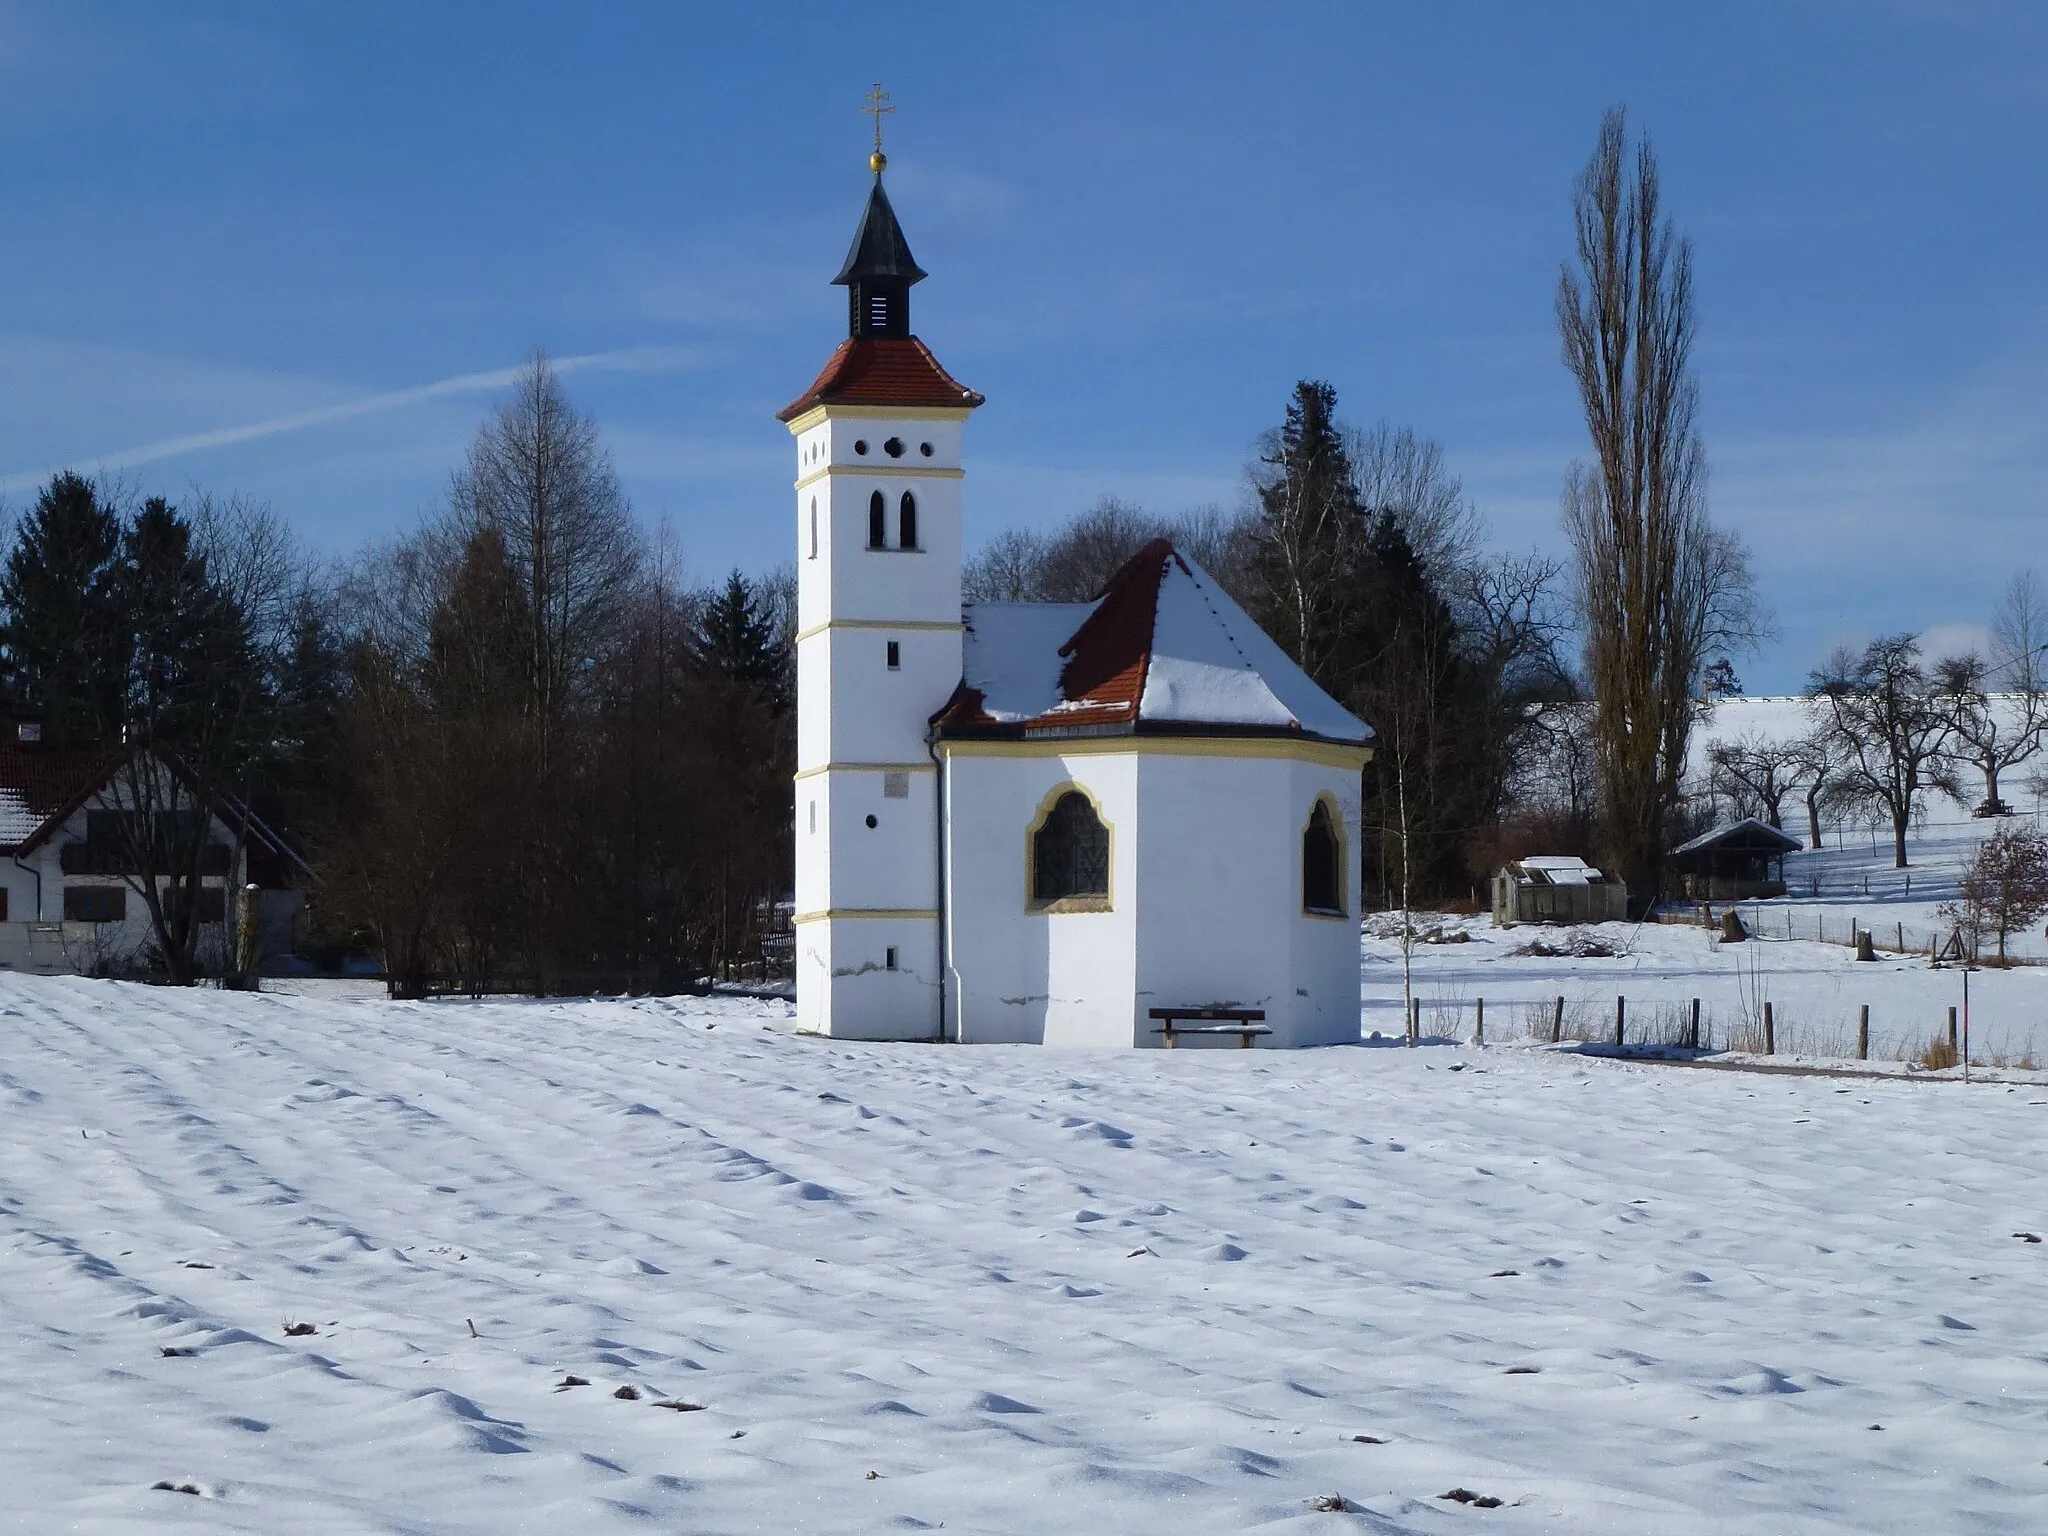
point(906, 522)
point(878, 522)
point(889, 958)
point(814, 527)
point(895, 655)
point(1322, 885)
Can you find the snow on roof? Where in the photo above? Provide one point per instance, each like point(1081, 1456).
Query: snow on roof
point(17, 821)
point(1162, 645)
point(40, 783)
point(1013, 656)
point(1562, 869)
point(1750, 829)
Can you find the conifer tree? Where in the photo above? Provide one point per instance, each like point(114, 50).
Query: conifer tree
point(196, 706)
point(1311, 520)
point(61, 639)
point(736, 640)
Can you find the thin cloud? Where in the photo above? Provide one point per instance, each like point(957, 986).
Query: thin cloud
point(627, 360)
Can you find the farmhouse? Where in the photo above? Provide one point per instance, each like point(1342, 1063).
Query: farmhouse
point(70, 894)
point(1038, 823)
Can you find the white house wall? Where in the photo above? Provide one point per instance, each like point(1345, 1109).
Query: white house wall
point(109, 945)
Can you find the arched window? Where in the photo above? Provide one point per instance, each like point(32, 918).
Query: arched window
point(814, 527)
point(906, 522)
point(1322, 864)
point(878, 522)
point(1070, 854)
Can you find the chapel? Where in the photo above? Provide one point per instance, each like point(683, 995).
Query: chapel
point(1032, 823)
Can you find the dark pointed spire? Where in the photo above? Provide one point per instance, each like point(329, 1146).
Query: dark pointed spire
point(879, 271)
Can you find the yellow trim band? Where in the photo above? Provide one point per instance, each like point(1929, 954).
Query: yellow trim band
point(881, 472)
point(838, 914)
point(1325, 754)
point(931, 624)
point(810, 773)
point(818, 413)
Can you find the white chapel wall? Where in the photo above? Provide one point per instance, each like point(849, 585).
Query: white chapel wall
point(1222, 922)
point(1032, 977)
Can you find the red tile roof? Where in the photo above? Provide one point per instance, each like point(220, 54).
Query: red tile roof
point(40, 786)
point(874, 370)
point(1106, 658)
point(1161, 648)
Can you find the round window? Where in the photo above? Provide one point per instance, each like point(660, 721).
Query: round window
point(925, 449)
point(893, 447)
point(871, 821)
point(860, 445)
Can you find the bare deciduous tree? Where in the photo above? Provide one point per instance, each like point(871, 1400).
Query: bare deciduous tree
point(1888, 726)
point(1757, 773)
point(1005, 569)
point(539, 477)
point(1992, 731)
point(1817, 762)
point(1660, 588)
point(1398, 472)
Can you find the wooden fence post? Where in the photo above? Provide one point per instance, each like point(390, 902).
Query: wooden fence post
point(1479, 1021)
point(1692, 1033)
point(1620, 1014)
point(1770, 1031)
point(1952, 1042)
point(1863, 1033)
point(1902, 938)
point(1557, 1023)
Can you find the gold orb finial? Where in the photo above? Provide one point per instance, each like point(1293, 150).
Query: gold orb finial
point(877, 106)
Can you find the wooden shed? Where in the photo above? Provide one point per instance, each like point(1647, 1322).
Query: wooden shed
point(1735, 862)
point(1556, 888)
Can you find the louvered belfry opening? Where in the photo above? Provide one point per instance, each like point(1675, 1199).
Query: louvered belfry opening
point(878, 274)
point(878, 309)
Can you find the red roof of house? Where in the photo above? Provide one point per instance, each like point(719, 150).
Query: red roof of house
point(875, 370)
point(40, 786)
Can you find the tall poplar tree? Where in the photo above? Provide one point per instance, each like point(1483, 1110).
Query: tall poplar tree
point(1660, 589)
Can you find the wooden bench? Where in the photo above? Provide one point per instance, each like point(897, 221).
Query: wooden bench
point(1245, 1023)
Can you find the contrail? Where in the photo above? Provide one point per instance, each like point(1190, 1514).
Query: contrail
point(631, 359)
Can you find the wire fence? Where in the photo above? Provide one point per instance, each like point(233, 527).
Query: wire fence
point(1847, 929)
point(1756, 1026)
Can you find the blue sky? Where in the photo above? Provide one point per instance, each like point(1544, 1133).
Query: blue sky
point(287, 250)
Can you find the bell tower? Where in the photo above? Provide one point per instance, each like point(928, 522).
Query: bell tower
point(878, 490)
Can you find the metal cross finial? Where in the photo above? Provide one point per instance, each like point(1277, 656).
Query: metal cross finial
point(876, 105)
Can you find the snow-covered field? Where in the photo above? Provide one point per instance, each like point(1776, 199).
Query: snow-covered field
point(989, 1289)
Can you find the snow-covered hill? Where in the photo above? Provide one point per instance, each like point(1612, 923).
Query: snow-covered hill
point(987, 1289)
